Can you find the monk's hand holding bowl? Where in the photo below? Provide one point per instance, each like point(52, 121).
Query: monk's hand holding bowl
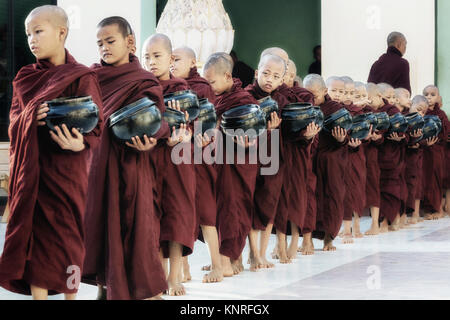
point(414, 146)
point(66, 140)
point(42, 114)
point(311, 130)
point(138, 145)
point(176, 105)
point(375, 136)
point(354, 143)
point(369, 136)
point(431, 141)
point(274, 121)
point(245, 143)
point(202, 140)
point(395, 137)
point(339, 134)
point(416, 134)
point(178, 135)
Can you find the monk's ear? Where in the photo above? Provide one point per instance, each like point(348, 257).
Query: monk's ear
point(325, 91)
point(193, 63)
point(228, 75)
point(63, 33)
point(131, 43)
point(256, 74)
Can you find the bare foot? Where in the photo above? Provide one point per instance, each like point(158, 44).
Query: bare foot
point(384, 227)
point(394, 227)
point(341, 234)
point(348, 238)
point(282, 254)
point(216, 275)
point(413, 220)
point(428, 216)
point(373, 231)
point(275, 253)
point(437, 216)
point(328, 244)
point(206, 268)
point(186, 273)
point(307, 249)
point(255, 263)
point(175, 289)
point(266, 263)
point(237, 266)
point(358, 234)
point(292, 252)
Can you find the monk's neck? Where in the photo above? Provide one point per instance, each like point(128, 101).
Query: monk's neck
point(164, 77)
point(58, 58)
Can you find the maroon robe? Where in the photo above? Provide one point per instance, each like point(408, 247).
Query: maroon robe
point(268, 187)
point(331, 168)
point(205, 174)
point(122, 246)
point(413, 175)
point(391, 68)
point(296, 94)
point(47, 191)
point(372, 169)
point(391, 157)
point(310, 221)
point(235, 185)
point(433, 166)
point(175, 189)
point(355, 178)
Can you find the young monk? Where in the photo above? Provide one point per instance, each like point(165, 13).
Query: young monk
point(371, 96)
point(289, 77)
point(121, 225)
point(176, 197)
point(433, 160)
point(43, 252)
point(354, 200)
point(414, 160)
point(403, 100)
point(331, 164)
point(391, 157)
point(184, 66)
point(236, 181)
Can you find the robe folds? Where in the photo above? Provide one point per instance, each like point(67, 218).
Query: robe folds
point(372, 169)
point(205, 174)
point(309, 224)
point(268, 187)
point(331, 168)
point(235, 184)
point(434, 166)
point(391, 68)
point(122, 244)
point(355, 178)
point(175, 189)
point(391, 158)
point(48, 185)
point(413, 175)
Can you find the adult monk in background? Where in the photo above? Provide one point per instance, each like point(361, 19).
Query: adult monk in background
point(122, 248)
point(175, 183)
point(184, 66)
point(44, 247)
point(235, 182)
point(391, 68)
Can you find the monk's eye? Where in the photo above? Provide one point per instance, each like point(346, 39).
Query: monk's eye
point(111, 42)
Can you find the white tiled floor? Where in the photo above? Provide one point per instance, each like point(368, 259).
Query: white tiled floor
point(412, 263)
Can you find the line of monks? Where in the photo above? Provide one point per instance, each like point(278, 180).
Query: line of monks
point(124, 217)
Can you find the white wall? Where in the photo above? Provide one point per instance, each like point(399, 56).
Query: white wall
point(354, 34)
point(84, 16)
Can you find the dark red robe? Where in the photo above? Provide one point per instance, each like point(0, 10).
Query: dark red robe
point(296, 94)
point(235, 184)
point(391, 68)
point(268, 187)
point(205, 174)
point(355, 179)
point(175, 189)
point(48, 185)
point(309, 224)
point(372, 169)
point(391, 155)
point(413, 175)
point(331, 168)
point(122, 245)
point(434, 165)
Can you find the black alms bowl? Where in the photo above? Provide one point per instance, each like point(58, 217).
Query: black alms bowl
point(174, 118)
point(436, 120)
point(398, 123)
point(372, 119)
point(430, 129)
point(296, 117)
point(360, 129)
point(207, 115)
point(319, 116)
point(268, 105)
point(136, 119)
point(75, 112)
point(188, 102)
point(383, 121)
point(249, 118)
point(415, 121)
point(341, 118)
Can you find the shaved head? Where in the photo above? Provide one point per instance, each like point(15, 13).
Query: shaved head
point(359, 84)
point(419, 99)
point(372, 89)
point(332, 79)
point(56, 15)
point(401, 92)
point(160, 39)
point(394, 38)
point(292, 67)
point(272, 58)
point(384, 88)
point(431, 87)
point(314, 80)
point(220, 62)
point(347, 80)
point(277, 52)
point(187, 51)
